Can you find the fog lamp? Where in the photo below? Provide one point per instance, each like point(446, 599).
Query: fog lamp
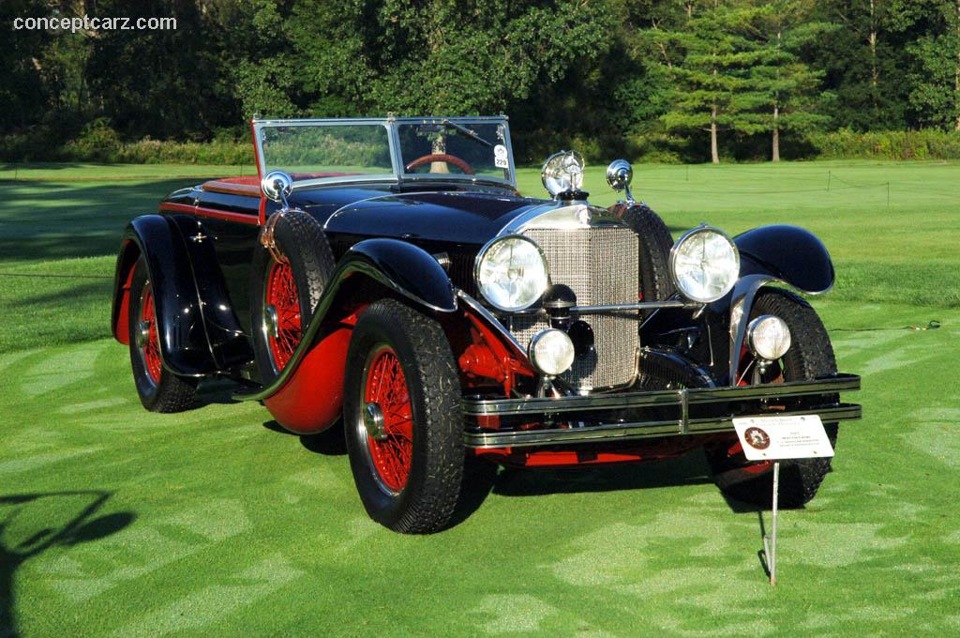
point(551, 352)
point(768, 337)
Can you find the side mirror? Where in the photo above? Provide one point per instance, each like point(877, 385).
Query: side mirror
point(619, 176)
point(277, 185)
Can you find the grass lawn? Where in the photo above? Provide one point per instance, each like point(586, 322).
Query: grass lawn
point(118, 522)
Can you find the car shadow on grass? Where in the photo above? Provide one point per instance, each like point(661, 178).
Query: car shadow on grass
point(33, 523)
point(689, 469)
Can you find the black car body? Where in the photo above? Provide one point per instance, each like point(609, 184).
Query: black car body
point(385, 279)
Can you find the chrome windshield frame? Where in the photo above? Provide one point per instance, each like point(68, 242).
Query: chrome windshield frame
point(397, 173)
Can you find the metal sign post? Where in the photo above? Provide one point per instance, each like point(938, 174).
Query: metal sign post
point(776, 438)
point(770, 540)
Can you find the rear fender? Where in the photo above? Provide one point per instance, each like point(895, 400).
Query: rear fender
point(184, 347)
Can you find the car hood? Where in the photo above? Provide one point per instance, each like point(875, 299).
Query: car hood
point(463, 218)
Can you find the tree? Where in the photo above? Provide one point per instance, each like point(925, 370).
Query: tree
point(934, 79)
point(714, 90)
point(864, 61)
point(785, 28)
point(440, 56)
point(22, 91)
point(162, 83)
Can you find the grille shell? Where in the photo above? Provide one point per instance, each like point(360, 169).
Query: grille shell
point(602, 266)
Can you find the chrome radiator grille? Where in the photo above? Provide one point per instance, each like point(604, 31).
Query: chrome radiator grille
point(601, 265)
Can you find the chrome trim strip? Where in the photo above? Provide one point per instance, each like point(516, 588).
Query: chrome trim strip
point(631, 431)
point(684, 410)
point(628, 400)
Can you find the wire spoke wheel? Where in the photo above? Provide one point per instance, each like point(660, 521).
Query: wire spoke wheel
point(403, 418)
point(159, 389)
point(148, 337)
point(286, 285)
point(283, 321)
point(391, 442)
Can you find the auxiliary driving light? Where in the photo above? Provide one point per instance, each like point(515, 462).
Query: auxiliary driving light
point(551, 352)
point(768, 337)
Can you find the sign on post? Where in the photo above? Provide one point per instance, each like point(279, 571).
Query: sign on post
point(775, 438)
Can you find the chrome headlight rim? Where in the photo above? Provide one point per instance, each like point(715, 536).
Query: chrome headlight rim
point(482, 287)
point(699, 292)
point(762, 345)
point(551, 352)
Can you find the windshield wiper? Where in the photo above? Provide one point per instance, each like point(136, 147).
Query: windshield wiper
point(468, 132)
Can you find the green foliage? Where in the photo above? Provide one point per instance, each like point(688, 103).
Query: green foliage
point(443, 56)
point(610, 76)
point(925, 144)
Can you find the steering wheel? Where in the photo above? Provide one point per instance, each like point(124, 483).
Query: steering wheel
point(440, 157)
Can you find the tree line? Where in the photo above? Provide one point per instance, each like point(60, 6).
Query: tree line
point(689, 79)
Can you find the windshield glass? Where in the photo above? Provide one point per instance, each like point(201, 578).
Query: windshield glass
point(455, 147)
point(395, 149)
point(309, 151)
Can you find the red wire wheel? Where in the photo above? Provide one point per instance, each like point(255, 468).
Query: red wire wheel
point(285, 292)
point(149, 339)
point(388, 418)
point(159, 389)
point(282, 303)
point(403, 418)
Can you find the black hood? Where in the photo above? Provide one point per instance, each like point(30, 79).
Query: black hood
point(461, 218)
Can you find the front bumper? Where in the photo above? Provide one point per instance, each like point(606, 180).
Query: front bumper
point(630, 416)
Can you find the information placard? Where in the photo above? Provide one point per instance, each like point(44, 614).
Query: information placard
point(770, 438)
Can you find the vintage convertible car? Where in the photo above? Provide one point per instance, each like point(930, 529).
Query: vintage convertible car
point(385, 279)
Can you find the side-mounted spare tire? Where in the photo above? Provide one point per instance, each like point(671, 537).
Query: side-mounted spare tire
point(285, 292)
point(656, 284)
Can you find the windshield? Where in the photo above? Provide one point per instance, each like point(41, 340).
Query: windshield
point(396, 149)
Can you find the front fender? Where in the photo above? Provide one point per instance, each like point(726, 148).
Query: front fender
point(184, 348)
point(787, 254)
point(404, 268)
point(790, 254)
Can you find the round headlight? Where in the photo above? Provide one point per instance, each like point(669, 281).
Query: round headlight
point(705, 264)
point(511, 273)
point(768, 337)
point(551, 352)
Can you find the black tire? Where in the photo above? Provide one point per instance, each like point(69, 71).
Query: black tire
point(656, 284)
point(408, 465)
point(159, 389)
point(810, 356)
point(276, 333)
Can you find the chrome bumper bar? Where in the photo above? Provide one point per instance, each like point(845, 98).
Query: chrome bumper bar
point(639, 415)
